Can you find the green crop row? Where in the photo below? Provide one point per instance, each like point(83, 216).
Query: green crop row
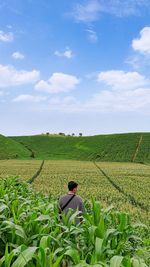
point(22, 168)
point(133, 179)
point(32, 234)
point(131, 192)
point(56, 174)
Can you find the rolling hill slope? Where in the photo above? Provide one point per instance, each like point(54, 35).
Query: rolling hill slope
point(116, 147)
point(11, 149)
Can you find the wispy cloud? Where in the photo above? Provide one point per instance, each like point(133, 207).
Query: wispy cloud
point(29, 98)
point(18, 55)
point(92, 36)
point(58, 82)
point(88, 12)
point(6, 36)
point(67, 53)
point(91, 10)
point(9, 76)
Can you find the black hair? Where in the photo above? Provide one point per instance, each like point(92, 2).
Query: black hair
point(72, 185)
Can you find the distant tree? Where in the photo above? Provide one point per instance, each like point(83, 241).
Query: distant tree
point(62, 134)
point(73, 134)
point(47, 133)
point(80, 134)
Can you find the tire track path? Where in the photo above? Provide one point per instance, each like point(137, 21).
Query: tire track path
point(137, 148)
point(129, 197)
point(31, 180)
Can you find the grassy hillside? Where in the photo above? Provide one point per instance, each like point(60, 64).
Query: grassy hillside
point(10, 149)
point(115, 147)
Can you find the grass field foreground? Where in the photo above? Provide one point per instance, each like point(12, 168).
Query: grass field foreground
point(32, 234)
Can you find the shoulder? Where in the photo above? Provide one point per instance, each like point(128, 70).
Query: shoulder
point(79, 198)
point(62, 197)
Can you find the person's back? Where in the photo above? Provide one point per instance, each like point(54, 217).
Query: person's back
point(71, 200)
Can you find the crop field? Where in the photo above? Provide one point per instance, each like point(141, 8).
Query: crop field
point(33, 235)
point(126, 186)
point(25, 169)
point(133, 196)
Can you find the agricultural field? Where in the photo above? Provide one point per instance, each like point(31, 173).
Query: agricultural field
point(132, 147)
point(33, 235)
point(93, 183)
point(126, 186)
point(104, 147)
point(11, 149)
point(132, 179)
point(144, 149)
point(25, 169)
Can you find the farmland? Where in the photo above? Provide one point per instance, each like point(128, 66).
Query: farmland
point(113, 173)
point(132, 147)
point(104, 147)
point(10, 149)
point(126, 186)
point(32, 234)
point(22, 168)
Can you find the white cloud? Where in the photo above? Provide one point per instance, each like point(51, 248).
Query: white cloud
point(124, 92)
point(9, 76)
point(17, 55)
point(92, 36)
point(121, 8)
point(67, 53)
point(6, 37)
point(87, 12)
point(58, 82)
point(29, 98)
point(142, 44)
point(91, 10)
point(119, 101)
point(121, 80)
point(134, 61)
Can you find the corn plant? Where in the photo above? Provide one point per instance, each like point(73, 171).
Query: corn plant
point(33, 235)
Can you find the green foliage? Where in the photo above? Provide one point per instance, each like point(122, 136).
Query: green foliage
point(32, 234)
point(115, 147)
point(11, 149)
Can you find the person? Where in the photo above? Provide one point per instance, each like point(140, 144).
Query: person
point(72, 201)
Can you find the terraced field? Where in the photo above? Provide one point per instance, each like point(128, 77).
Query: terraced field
point(126, 186)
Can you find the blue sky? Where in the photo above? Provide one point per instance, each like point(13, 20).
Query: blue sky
point(74, 66)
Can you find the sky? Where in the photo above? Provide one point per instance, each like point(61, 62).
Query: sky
point(74, 66)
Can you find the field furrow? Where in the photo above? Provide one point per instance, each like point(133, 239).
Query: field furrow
point(130, 193)
point(55, 175)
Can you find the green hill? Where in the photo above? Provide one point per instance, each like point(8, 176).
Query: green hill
point(116, 147)
point(11, 149)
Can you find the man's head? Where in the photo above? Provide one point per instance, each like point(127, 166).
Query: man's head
point(72, 186)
